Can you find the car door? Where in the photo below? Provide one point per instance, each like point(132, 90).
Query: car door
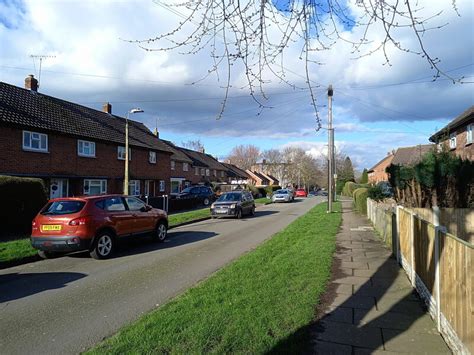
point(144, 221)
point(120, 218)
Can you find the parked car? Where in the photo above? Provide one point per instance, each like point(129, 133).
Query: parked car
point(202, 193)
point(283, 195)
point(94, 223)
point(301, 193)
point(312, 193)
point(233, 204)
point(321, 193)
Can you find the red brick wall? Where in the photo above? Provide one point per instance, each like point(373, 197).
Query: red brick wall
point(462, 150)
point(63, 160)
point(379, 173)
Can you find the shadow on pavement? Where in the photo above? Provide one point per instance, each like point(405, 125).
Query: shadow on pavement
point(15, 286)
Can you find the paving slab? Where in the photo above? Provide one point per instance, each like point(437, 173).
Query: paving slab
point(370, 306)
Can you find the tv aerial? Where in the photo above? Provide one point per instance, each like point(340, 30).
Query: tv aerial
point(40, 57)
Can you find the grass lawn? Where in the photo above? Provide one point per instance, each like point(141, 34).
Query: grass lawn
point(16, 249)
point(259, 303)
point(263, 201)
point(179, 218)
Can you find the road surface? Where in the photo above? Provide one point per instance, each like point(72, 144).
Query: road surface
point(68, 304)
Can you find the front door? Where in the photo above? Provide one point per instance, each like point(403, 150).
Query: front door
point(58, 188)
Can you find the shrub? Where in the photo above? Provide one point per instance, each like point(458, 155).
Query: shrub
point(253, 190)
point(380, 191)
point(350, 187)
point(360, 199)
point(269, 190)
point(22, 198)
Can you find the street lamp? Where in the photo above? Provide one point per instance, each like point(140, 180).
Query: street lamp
point(125, 180)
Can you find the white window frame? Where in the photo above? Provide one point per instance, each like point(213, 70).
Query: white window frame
point(222, 174)
point(208, 172)
point(185, 167)
point(121, 153)
point(152, 157)
point(452, 141)
point(37, 137)
point(203, 171)
point(196, 171)
point(173, 165)
point(162, 185)
point(134, 188)
point(84, 143)
point(469, 129)
point(96, 182)
point(214, 172)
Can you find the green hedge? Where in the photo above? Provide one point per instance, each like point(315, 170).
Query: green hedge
point(350, 187)
point(21, 199)
point(360, 199)
point(271, 189)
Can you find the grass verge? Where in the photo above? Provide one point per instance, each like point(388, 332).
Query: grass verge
point(263, 201)
point(184, 217)
point(259, 303)
point(16, 250)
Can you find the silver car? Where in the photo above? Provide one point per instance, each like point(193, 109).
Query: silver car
point(283, 195)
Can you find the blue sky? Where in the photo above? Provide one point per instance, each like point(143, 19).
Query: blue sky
point(377, 107)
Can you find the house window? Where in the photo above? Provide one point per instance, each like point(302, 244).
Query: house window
point(35, 141)
point(121, 153)
point(173, 165)
point(203, 171)
point(95, 187)
point(85, 148)
point(185, 167)
point(452, 140)
point(208, 173)
point(222, 174)
point(162, 185)
point(439, 148)
point(152, 157)
point(215, 173)
point(469, 133)
point(196, 171)
point(175, 186)
point(134, 187)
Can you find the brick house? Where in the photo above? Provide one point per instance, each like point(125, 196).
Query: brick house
point(206, 167)
point(409, 156)
point(377, 173)
point(457, 136)
point(182, 170)
point(257, 179)
point(236, 175)
point(75, 149)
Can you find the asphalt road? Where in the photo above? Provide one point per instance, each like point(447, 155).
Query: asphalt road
point(68, 304)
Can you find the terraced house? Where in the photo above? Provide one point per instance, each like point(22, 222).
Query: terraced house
point(77, 150)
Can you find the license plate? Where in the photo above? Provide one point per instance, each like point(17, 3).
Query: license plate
point(51, 227)
point(221, 211)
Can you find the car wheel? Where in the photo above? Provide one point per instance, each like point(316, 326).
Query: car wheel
point(46, 254)
point(103, 246)
point(239, 214)
point(161, 232)
point(206, 202)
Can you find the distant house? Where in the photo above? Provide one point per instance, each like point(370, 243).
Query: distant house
point(207, 168)
point(236, 175)
point(377, 173)
point(257, 179)
point(182, 169)
point(271, 179)
point(274, 169)
point(75, 149)
point(457, 136)
point(409, 156)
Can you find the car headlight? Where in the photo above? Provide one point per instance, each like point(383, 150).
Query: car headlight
point(212, 206)
point(233, 205)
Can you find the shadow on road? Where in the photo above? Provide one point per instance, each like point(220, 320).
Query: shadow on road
point(15, 286)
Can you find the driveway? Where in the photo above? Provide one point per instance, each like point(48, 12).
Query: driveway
point(68, 304)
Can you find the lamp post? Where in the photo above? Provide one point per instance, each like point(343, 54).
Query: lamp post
point(331, 169)
point(125, 180)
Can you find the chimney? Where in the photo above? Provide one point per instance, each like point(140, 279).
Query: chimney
point(156, 133)
point(31, 83)
point(203, 151)
point(107, 107)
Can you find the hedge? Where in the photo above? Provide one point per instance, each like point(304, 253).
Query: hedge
point(350, 187)
point(271, 189)
point(22, 198)
point(360, 199)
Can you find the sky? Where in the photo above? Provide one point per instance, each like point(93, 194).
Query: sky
point(376, 107)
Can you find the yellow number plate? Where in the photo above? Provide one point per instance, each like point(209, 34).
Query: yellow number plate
point(51, 227)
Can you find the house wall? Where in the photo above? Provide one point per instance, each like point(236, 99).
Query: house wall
point(379, 174)
point(62, 160)
point(462, 150)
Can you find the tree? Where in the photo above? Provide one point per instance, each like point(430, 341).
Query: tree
point(253, 37)
point(194, 145)
point(364, 179)
point(244, 156)
point(346, 171)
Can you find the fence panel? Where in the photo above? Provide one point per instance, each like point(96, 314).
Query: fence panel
point(425, 253)
point(457, 287)
point(405, 235)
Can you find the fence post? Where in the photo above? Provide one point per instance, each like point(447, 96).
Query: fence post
point(437, 268)
point(397, 234)
point(412, 240)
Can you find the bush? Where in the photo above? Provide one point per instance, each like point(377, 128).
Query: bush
point(380, 191)
point(350, 187)
point(360, 199)
point(253, 190)
point(269, 190)
point(22, 198)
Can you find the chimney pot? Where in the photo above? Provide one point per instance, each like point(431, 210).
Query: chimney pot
point(31, 83)
point(107, 107)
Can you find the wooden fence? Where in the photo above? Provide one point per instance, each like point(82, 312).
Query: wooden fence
point(440, 267)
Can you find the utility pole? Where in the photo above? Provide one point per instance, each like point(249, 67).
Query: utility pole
point(330, 152)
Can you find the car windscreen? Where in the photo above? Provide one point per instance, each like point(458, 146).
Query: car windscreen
point(282, 192)
point(229, 197)
point(186, 190)
point(63, 207)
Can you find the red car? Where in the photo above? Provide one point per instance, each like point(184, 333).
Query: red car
point(301, 193)
point(94, 223)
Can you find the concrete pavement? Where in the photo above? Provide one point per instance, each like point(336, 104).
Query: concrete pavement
point(370, 306)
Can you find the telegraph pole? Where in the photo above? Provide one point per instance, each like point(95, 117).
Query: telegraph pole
point(330, 151)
